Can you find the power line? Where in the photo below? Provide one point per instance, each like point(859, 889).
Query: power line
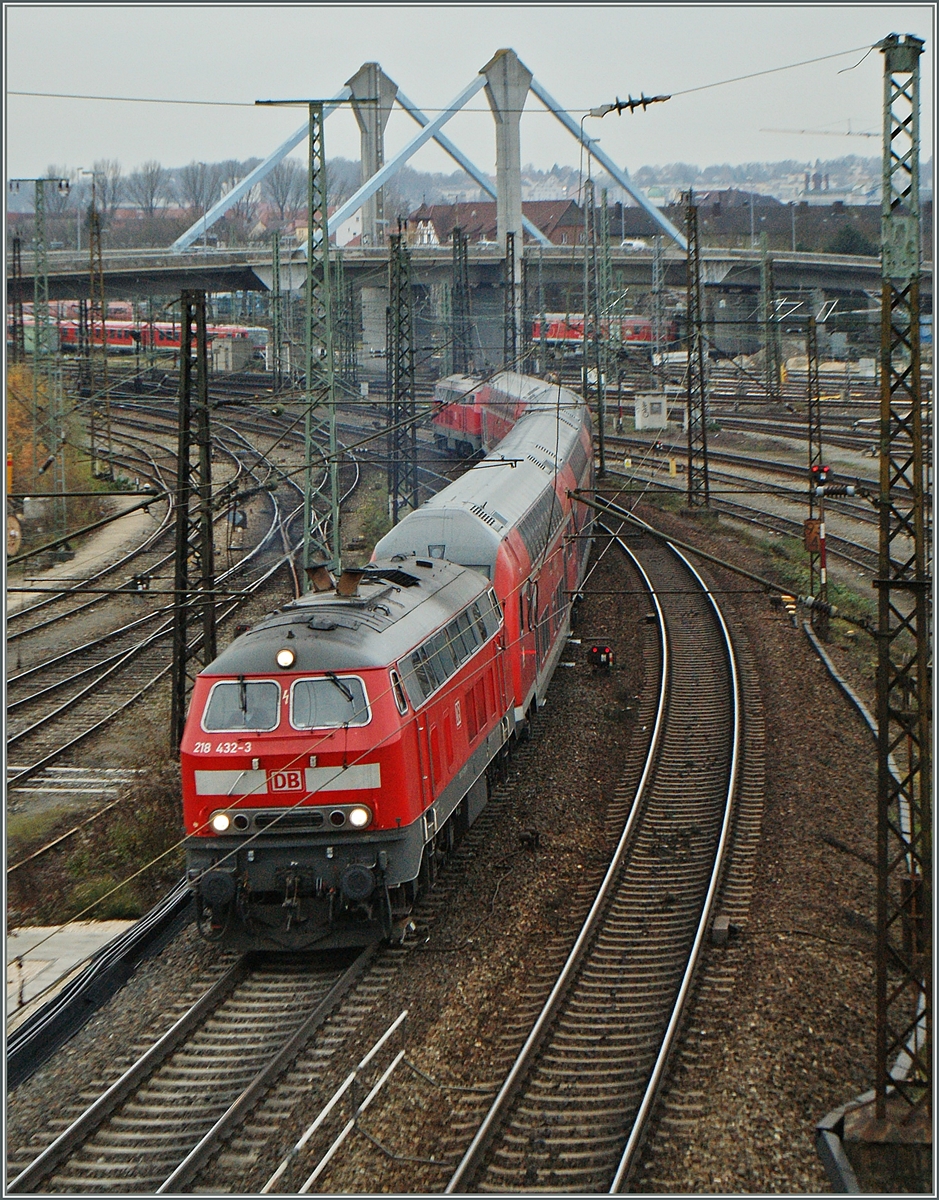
point(769, 71)
point(586, 109)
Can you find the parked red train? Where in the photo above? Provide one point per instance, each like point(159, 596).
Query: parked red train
point(122, 336)
point(336, 752)
point(567, 329)
point(162, 335)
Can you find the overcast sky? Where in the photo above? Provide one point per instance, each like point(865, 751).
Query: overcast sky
point(584, 55)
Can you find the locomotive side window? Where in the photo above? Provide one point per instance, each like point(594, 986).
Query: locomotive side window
point(460, 633)
point(399, 693)
point(242, 704)
point(328, 703)
point(431, 664)
point(423, 673)
point(441, 655)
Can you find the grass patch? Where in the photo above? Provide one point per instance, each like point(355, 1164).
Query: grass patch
point(125, 904)
point(367, 521)
point(27, 831)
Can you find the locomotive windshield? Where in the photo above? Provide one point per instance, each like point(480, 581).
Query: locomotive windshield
point(328, 703)
point(242, 704)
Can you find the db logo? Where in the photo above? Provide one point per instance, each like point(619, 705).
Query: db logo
point(286, 781)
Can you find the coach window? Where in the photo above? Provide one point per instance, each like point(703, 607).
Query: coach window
point(532, 604)
point(242, 704)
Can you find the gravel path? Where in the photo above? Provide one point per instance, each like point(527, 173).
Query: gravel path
point(791, 1036)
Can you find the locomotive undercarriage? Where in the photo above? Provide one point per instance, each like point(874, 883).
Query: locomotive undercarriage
point(284, 894)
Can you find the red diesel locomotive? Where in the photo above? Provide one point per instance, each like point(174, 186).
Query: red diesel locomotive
point(335, 752)
point(474, 416)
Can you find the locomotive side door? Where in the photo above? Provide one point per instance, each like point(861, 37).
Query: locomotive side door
point(425, 761)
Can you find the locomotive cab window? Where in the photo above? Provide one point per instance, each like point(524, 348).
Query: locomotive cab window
point(328, 703)
point(242, 704)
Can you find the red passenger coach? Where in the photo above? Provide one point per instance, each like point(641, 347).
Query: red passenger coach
point(511, 517)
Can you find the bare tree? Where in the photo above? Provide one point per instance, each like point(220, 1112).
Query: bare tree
point(197, 186)
point(285, 187)
point(147, 185)
point(109, 186)
point(56, 198)
point(342, 179)
point(243, 213)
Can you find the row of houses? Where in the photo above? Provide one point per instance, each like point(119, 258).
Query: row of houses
point(727, 217)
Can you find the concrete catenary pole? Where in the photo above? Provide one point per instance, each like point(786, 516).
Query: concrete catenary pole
point(507, 84)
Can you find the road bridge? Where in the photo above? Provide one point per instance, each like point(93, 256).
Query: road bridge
point(136, 274)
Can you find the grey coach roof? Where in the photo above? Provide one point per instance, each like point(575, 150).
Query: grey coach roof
point(470, 515)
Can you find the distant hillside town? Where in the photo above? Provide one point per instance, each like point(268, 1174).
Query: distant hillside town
point(825, 206)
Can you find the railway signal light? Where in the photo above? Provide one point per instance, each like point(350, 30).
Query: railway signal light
point(601, 657)
point(819, 478)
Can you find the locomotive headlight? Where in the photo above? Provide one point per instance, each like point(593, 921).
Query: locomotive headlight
point(359, 816)
point(286, 657)
point(220, 821)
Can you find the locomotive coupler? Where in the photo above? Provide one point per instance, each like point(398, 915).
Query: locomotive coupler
point(291, 890)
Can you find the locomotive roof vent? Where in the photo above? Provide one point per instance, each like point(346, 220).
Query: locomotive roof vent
point(349, 580)
point(320, 578)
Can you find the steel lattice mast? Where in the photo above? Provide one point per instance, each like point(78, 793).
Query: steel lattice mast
point(460, 305)
point(817, 573)
point(698, 487)
point(320, 364)
point(18, 339)
point(277, 319)
point(194, 607)
point(658, 310)
point(526, 364)
point(97, 314)
point(509, 326)
point(318, 340)
point(769, 324)
point(345, 325)
point(904, 850)
point(592, 317)
point(403, 490)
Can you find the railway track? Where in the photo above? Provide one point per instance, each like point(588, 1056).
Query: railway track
point(70, 601)
point(171, 1108)
point(573, 1106)
point(659, 849)
point(64, 697)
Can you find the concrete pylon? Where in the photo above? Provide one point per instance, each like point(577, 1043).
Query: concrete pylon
point(507, 84)
point(370, 83)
